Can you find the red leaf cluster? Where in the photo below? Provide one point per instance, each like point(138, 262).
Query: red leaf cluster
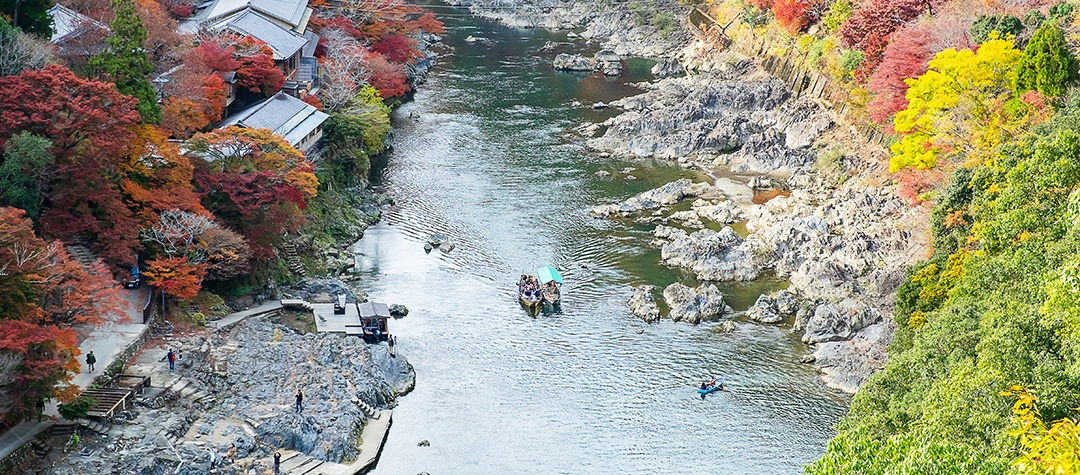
point(389, 78)
point(791, 15)
point(905, 57)
point(871, 27)
point(397, 48)
point(90, 125)
point(176, 276)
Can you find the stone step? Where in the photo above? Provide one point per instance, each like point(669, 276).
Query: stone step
point(307, 467)
point(294, 462)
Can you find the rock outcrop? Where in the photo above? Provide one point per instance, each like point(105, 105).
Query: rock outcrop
point(643, 304)
point(711, 255)
point(695, 305)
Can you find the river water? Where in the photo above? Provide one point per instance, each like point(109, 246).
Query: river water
point(486, 155)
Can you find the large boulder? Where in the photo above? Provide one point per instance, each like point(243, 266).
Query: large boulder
point(723, 212)
point(846, 364)
point(774, 308)
point(694, 305)
point(643, 304)
point(667, 68)
point(609, 62)
point(839, 321)
point(712, 255)
point(666, 195)
point(573, 62)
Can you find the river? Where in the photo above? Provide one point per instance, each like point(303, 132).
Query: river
point(486, 155)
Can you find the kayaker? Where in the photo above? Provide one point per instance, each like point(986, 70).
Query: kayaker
point(704, 386)
point(712, 381)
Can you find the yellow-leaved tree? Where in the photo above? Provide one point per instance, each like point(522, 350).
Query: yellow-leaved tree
point(963, 103)
point(1043, 450)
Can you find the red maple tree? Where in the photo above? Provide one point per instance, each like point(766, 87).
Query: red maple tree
point(905, 57)
point(89, 123)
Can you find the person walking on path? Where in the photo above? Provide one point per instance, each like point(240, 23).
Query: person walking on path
point(277, 463)
point(172, 360)
point(299, 401)
point(90, 360)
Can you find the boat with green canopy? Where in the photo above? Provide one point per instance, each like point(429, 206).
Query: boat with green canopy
point(551, 281)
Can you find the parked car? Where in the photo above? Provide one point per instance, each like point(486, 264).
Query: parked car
point(135, 280)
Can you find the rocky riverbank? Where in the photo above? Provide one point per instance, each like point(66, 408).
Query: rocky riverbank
point(841, 237)
point(236, 387)
point(843, 241)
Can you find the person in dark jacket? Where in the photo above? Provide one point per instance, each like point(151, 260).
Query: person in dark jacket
point(90, 360)
point(299, 401)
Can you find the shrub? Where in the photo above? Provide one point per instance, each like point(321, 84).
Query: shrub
point(1006, 25)
point(850, 61)
point(78, 408)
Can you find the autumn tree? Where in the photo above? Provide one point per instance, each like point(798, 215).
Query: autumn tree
point(906, 57)
point(125, 62)
point(1048, 65)
point(177, 231)
point(870, 27)
point(254, 182)
point(958, 105)
point(161, 29)
point(19, 51)
point(225, 253)
point(43, 292)
point(23, 172)
point(195, 94)
point(175, 276)
point(156, 177)
point(389, 78)
point(397, 48)
point(791, 15)
point(89, 124)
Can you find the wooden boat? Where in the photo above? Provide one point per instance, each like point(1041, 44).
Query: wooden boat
point(551, 281)
point(530, 302)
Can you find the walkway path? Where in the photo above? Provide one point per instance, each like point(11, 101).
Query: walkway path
point(265, 307)
point(106, 341)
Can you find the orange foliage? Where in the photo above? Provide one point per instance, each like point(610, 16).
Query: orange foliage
point(313, 100)
point(158, 177)
point(175, 276)
point(43, 292)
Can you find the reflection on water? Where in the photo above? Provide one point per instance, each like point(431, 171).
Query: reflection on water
point(588, 388)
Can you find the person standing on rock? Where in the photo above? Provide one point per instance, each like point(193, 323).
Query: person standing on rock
point(172, 359)
point(277, 463)
point(299, 401)
point(90, 360)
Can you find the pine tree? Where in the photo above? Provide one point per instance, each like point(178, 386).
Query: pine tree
point(1047, 65)
point(125, 61)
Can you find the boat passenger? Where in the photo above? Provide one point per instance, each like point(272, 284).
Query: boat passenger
point(712, 381)
point(704, 386)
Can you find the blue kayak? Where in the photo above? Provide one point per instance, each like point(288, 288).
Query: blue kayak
point(712, 389)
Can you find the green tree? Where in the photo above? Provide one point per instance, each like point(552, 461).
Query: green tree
point(125, 61)
point(32, 16)
point(1047, 65)
point(26, 158)
point(1004, 25)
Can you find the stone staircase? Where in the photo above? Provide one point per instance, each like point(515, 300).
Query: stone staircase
point(292, 258)
point(188, 389)
point(82, 254)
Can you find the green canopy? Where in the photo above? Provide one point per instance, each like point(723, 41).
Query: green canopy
point(548, 274)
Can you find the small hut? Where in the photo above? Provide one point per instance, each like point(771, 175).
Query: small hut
point(373, 319)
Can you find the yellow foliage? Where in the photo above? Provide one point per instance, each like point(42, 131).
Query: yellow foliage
point(1053, 450)
point(956, 105)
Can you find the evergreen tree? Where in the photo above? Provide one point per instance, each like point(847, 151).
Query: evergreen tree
point(31, 16)
point(1047, 65)
point(125, 62)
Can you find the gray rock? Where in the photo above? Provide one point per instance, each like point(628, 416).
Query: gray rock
point(840, 321)
point(846, 364)
point(666, 195)
point(711, 255)
point(667, 68)
point(643, 304)
point(723, 212)
point(398, 310)
point(573, 62)
point(726, 326)
point(694, 305)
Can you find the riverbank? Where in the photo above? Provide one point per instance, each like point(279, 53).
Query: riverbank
point(235, 386)
point(835, 229)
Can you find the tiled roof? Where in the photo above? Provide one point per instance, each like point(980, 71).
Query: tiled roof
point(288, 11)
point(284, 43)
point(283, 114)
point(67, 22)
